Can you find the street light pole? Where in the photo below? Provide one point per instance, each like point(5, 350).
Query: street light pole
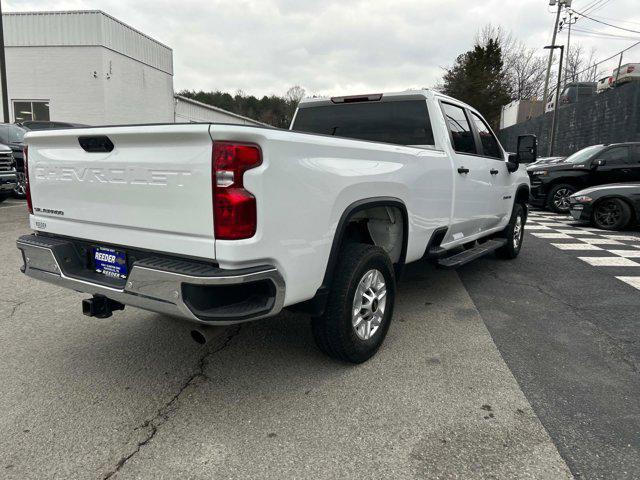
point(554, 119)
point(3, 72)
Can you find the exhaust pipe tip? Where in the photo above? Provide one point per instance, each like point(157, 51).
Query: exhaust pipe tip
point(198, 337)
point(204, 334)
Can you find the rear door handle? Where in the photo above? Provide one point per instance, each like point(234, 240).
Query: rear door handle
point(493, 171)
point(463, 170)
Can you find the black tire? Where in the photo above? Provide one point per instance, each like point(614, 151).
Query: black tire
point(514, 233)
point(611, 214)
point(558, 197)
point(334, 331)
point(3, 197)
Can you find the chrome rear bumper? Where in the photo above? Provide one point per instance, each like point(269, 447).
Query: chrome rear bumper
point(160, 284)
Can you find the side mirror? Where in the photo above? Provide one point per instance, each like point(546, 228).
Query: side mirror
point(527, 149)
point(599, 163)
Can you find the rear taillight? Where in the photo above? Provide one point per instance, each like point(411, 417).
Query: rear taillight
point(26, 178)
point(234, 207)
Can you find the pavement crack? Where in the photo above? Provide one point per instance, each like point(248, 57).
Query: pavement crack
point(163, 414)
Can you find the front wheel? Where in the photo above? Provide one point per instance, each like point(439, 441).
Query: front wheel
point(611, 214)
point(360, 305)
point(558, 198)
point(20, 191)
point(514, 233)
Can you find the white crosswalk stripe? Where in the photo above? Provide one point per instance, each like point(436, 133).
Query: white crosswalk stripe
point(619, 251)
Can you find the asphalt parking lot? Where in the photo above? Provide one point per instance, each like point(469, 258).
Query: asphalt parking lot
point(523, 369)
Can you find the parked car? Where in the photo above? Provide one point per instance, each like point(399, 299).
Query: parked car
point(571, 93)
point(552, 185)
point(610, 207)
point(8, 178)
point(12, 135)
point(628, 73)
point(605, 83)
point(222, 224)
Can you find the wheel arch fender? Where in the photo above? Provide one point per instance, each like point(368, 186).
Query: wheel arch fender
point(316, 305)
point(348, 213)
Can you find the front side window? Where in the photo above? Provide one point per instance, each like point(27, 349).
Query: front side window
point(25, 110)
point(490, 145)
point(461, 134)
point(616, 156)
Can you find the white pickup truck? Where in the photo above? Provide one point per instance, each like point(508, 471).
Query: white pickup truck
point(221, 224)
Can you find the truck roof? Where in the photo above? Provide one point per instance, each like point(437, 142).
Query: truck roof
point(367, 97)
point(380, 97)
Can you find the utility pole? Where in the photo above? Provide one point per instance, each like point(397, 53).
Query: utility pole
point(560, 3)
point(570, 21)
point(554, 120)
point(3, 72)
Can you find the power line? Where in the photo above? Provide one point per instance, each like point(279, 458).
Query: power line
point(605, 23)
point(597, 7)
point(603, 34)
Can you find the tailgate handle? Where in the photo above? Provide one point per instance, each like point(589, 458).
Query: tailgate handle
point(96, 143)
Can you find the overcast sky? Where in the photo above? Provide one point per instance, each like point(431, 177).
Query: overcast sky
point(335, 47)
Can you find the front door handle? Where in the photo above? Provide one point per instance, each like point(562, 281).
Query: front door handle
point(493, 171)
point(463, 170)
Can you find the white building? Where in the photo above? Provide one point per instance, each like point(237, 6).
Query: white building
point(88, 67)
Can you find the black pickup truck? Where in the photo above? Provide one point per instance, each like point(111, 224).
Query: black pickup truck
point(8, 179)
point(552, 185)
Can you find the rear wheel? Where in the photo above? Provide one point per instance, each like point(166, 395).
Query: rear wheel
point(611, 214)
point(3, 197)
point(360, 305)
point(514, 233)
point(558, 198)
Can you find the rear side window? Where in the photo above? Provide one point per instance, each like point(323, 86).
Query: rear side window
point(616, 156)
point(402, 122)
point(461, 135)
point(490, 145)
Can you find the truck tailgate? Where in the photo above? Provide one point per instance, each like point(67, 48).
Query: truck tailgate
point(152, 190)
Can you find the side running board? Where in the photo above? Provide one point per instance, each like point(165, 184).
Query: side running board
point(462, 258)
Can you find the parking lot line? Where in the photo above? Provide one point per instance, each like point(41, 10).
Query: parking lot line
point(550, 235)
point(537, 227)
point(576, 246)
point(599, 241)
point(626, 253)
point(633, 281)
point(609, 262)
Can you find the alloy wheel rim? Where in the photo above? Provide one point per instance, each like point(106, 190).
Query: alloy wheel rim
point(561, 199)
point(608, 214)
point(369, 304)
point(21, 186)
point(517, 232)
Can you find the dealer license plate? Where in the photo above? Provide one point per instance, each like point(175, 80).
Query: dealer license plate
point(110, 262)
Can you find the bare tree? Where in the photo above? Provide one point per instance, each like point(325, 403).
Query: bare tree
point(295, 94)
point(524, 67)
point(581, 67)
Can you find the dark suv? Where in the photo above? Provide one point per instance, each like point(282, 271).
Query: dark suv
point(552, 185)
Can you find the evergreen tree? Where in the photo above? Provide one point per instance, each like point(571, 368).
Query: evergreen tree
point(478, 78)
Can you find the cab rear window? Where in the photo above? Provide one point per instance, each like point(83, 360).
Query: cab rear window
point(402, 122)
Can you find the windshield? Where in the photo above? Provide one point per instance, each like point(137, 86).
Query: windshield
point(584, 155)
point(16, 134)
